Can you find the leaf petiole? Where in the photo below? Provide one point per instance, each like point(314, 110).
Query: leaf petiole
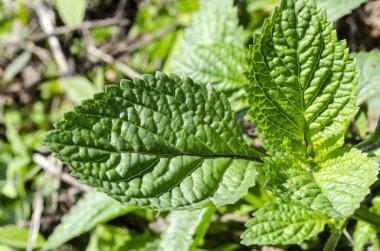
point(364, 214)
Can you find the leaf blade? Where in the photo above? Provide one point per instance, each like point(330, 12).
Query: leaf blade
point(280, 223)
point(297, 85)
point(160, 141)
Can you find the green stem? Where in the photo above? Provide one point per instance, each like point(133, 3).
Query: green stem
point(333, 240)
point(365, 215)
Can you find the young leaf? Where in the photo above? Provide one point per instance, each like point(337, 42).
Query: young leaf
point(280, 223)
point(339, 8)
point(93, 209)
point(185, 229)
point(160, 141)
point(336, 187)
point(222, 65)
point(302, 82)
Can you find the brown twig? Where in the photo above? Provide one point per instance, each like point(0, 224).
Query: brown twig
point(34, 228)
point(146, 40)
point(100, 55)
point(50, 168)
point(87, 25)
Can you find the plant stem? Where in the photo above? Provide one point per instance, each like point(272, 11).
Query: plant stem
point(333, 240)
point(365, 215)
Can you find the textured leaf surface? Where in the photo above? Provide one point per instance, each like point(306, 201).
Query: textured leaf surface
point(212, 51)
point(216, 22)
point(93, 209)
point(185, 229)
point(368, 63)
point(222, 65)
point(302, 81)
point(339, 8)
point(335, 187)
point(280, 223)
point(160, 141)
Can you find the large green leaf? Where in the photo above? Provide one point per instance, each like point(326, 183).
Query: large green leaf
point(302, 82)
point(216, 22)
point(338, 8)
point(185, 229)
point(369, 81)
point(160, 141)
point(280, 223)
point(95, 208)
point(222, 65)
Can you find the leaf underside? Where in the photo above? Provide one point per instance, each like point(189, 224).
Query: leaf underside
point(161, 141)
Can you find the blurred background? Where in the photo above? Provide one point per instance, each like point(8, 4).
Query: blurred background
point(55, 53)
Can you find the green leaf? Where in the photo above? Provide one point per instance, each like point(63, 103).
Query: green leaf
point(185, 229)
point(280, 223)
point(71, 11)
point(368, 64)
point(221, 65)
point(212, 51)
point(339, 8)
point(335, 187)
point(161, 141)
point(302, 82)
point(18, 237)
point(78, 89)
point(216, 22)
point(95, 208)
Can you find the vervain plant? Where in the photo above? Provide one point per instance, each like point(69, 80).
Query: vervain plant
point(171, 143)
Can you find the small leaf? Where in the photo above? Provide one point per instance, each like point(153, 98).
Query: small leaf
point(335, 186)
point(95, 208)
point(18, 237)
point(302, 82)
point(280, 223)
point(185, 229)
point(339, 8)
point(71, 11)
point(160, 141)
point(345, 180)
